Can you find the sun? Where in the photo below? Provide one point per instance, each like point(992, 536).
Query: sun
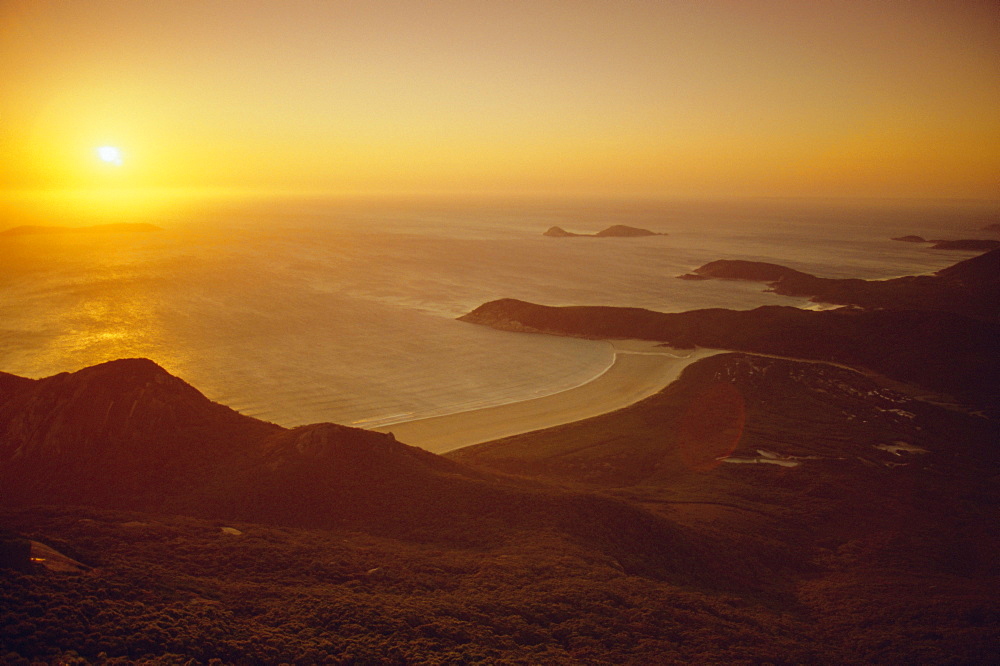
point(110, 154)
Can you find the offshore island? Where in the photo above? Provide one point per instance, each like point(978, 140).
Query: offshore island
point(823, 490)
point(614, 231)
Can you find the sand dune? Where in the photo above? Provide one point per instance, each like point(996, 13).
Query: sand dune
point(640, 369)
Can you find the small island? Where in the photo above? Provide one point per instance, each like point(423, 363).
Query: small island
point(616, 231)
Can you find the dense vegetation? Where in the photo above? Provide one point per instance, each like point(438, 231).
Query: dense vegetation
point(169, 590)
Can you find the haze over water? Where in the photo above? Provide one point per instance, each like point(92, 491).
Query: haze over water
point(307, 310)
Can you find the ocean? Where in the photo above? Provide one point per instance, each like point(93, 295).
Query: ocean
point(301, 310)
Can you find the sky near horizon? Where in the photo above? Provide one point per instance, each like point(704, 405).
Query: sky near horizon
point(570, 97)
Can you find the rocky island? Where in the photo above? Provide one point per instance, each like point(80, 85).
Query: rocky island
point(616, 231)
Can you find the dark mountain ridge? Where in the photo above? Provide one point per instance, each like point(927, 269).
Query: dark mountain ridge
point(127, 435)
point(964, 244)
point(937, 350)
point(123, 434)
point(970, 287)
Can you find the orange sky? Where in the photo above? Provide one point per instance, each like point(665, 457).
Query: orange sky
point(566, 97)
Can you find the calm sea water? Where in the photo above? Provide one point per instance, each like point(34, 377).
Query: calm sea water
point(305, 310)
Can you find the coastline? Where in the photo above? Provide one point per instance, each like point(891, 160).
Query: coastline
point(639, 370)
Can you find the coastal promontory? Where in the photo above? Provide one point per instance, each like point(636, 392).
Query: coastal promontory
point(963, 244)
point(968, 244)
point(970, 287)
point(934, 347)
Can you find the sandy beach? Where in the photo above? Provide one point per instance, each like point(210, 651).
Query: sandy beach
point(640, 369)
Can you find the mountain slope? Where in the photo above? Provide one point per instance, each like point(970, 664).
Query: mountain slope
point(126, 435)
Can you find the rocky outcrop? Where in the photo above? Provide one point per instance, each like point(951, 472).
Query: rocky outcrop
point(623, 231)
point(559, 232)
point(616, 231)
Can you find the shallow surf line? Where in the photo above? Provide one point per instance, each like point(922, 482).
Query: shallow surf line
point(632, 376)
point(382, 422)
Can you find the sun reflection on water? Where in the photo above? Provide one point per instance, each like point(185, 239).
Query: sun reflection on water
point(95, 303)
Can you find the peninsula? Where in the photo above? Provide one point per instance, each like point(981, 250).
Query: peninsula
point(967, 244)
point(970, 287)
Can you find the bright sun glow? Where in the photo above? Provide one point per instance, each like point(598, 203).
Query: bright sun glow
point(110, 154)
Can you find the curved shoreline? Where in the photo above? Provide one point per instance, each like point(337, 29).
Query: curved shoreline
point(381, 423)
point(639, 370)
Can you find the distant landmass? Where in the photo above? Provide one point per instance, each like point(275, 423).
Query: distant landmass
point(973, 245)
point(970, 287)
point(965, 360)
point(120, 227)
point(960, 321)
point(992, 227)
point(616, 231)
